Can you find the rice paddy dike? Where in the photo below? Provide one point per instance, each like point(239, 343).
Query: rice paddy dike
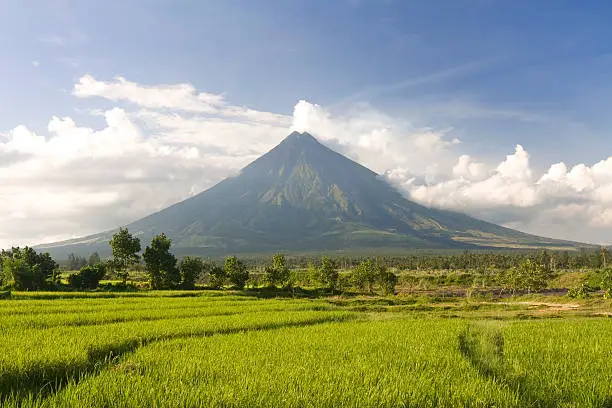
point(238, 349)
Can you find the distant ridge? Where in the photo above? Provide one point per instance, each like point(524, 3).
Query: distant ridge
point(304, 197)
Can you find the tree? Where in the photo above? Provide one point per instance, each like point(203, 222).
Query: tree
point(564, 261)
point(236, 271)
point(191, 268)
point(277, 274)
point(364, 275)
point(94, 259)
point(160, 264)
point(544, 259)
point(24, 269)
point(386, 279)
point(88, 277)
point(328, 273)
point(76, 262)
point(217, 277)
point(604, 256)
point(528, 275)
point(125, 249)
point(314, 273)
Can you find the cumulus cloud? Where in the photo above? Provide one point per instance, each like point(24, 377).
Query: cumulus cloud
point(573, 204)
point(377, 140)
point(74, 179)
point(163, 143)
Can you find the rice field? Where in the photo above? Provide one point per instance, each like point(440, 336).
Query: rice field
point(230, 350)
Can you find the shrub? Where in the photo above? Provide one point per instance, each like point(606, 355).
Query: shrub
point(328, 273)
point(278, 274)
point(386, 279)
point(582, 291)
point(190, 269)
point(313, 274)
point(88, 277)
point(217, 277)
point(606, 280)
point(364, 276)
point(528, 275)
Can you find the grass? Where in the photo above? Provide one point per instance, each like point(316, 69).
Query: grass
point(234, 350)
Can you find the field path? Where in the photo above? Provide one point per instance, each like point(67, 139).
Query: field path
point(553, 306)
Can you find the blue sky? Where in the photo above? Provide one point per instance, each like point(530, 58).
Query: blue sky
point(498, 73)
point(503, 58)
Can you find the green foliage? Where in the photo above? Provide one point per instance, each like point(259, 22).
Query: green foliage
point(606, 279)
point(386, 279)
point(277, 274)
point(328, 273)
point(528, 275)
point(94, 259)
point(583, 291)
point(160, 264)
point(368, 273)
point(88, 277)
point(125, 249)
point(236, 271)
point(364, 276)
point(313, 273)
point(191, 268)
point(217, 277)
point(76, 262)
point(24, 269)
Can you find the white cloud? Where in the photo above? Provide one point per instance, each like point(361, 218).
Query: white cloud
point(570, 204)
point(180, 97)
point(75, 180)
point(468, 169)
point(161, 144)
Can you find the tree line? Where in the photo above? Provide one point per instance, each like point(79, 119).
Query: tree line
point(164, 271)
point(24, 269)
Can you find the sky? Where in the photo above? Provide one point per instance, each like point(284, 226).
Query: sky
point(111, 110)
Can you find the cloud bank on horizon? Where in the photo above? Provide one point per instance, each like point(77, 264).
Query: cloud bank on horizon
point(160, 144)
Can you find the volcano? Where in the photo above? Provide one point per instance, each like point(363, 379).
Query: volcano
point(302, 196)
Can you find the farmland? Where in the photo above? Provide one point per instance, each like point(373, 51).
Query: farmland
point(234, 348)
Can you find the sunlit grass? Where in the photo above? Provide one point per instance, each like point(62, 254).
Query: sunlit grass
point(217, 349)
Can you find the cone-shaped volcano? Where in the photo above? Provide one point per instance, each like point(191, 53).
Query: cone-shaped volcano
point(302, 196)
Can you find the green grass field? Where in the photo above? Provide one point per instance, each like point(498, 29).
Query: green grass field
point(176, 349)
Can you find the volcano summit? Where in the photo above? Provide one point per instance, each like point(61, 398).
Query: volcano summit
point(302, 196)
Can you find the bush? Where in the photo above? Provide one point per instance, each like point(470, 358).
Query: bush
point(24, 269)
point(278, 274)
point(328, 274)
point(364, 276)
point(344, 282)
point(387, 280)
point(606, 280)
point(190, 269)
point(217, 277)
point(528, 275)
point(87, 278)
point(582, 291)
